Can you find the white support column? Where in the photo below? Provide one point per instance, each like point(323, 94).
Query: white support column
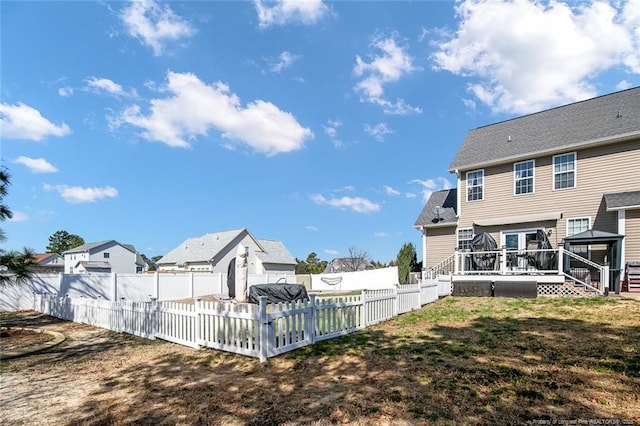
point(622, 215)
point(424, 249)
point(560, 260)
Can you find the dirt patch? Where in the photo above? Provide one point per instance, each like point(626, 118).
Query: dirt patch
point(12, 339)
point(463, 361)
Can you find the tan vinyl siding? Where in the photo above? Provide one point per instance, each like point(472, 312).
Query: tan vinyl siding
point(632, 238)
point(441, 243)
point(599, 170)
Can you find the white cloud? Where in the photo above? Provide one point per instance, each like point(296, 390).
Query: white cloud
point(78, 195)
point(281, 12)
point(387, 67)
point(380, 234)
point(155, 25)
point(531, 55)
point(623, 85)
point(347, 188)
point(18, 217)
point(65, 92)
point(106, 85)
point(331, 130)
point(378, 131)
point(23, 122)
point(431, 185)
point(390, 191)
point(36, 165)
point(311, 228)
point(331, 252)
point(357, 204)
point(193, 108)
point(285, 60)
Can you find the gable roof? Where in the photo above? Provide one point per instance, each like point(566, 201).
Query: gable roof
point(42, 257)
point(447, 199)
point(93, 264)
point(622, 200)
point(89, 247)
point(204, 248)
point(604, 119)
point(275, 252)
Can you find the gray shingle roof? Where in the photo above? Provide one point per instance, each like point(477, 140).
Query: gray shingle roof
point(275, 252)
point(89, 247)
point(621, 200)
point(602, 119)
point(446, 198)
point(203, 249)
point(200, 249)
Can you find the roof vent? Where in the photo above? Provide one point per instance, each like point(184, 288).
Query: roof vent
point(509, 138)
point(619, 115)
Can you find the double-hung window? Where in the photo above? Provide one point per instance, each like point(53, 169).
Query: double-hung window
point(576, 226)
point(564, 171)
point(523, 177)
point(475, 185)
point(465, 235)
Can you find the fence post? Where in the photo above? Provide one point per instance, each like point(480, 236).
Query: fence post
point(363, 317)
point(192, 285)
point(264, 329)
point(156, 285)
point(456, 261)
point(198, 331)
point(560, 260)
point(503, 261)
point(154, 316)
point(395, 305)
point(310, 320)
point(114, 285)
point(605, 281)
point(60, 281)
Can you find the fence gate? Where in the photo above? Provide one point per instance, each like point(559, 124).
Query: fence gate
point(290, 326)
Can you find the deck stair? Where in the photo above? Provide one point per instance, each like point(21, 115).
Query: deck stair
point(573, 288)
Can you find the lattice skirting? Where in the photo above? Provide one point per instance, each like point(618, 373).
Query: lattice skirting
point(560, 290)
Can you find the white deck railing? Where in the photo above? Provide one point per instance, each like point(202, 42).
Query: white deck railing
point(522, 263)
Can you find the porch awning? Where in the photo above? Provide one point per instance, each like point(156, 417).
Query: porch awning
point(509, 220)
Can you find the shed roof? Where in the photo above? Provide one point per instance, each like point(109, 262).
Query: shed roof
point(622, 200)
point(605, 119)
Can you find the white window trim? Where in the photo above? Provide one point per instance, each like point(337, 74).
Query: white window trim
point(588, 227)
point(467, 185)
point(533, 177)
point(575, 171)
point(458, 235)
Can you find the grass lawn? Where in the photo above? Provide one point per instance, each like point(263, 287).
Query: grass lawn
point(459, 361)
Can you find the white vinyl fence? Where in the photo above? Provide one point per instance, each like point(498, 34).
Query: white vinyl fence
point(261, 331)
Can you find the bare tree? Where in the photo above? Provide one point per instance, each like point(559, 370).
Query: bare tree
point(357, 260)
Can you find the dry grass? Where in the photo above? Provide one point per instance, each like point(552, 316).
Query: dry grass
point(458, 361)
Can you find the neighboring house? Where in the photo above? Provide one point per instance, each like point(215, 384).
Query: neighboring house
point(568, 171)
point(49, 262)
point(103, 256)
point(212, 252)
point(348, 264)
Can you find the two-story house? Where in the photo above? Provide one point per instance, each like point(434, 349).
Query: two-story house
point(569, 171)
point(104, 256)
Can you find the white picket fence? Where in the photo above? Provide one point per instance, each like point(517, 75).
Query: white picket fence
point(261, 331)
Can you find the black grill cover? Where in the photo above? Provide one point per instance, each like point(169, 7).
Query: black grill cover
point(277, 293)
point(483, 261)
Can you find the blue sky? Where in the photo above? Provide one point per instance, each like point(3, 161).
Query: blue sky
point(325, 125)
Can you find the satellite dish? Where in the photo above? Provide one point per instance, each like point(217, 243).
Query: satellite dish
point(437, 210)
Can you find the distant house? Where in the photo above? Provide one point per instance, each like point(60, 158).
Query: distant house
point(103, 256)
point(212, 252)
point(348, 264)
point(49, 262)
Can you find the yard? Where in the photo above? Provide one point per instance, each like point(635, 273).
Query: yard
point(456, 361)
